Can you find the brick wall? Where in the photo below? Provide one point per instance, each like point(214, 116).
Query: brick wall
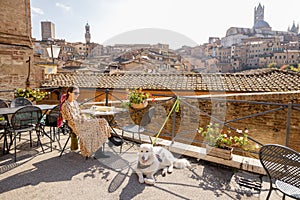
point(267, 128)
point(16, 47)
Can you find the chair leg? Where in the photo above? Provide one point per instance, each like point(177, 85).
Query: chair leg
point(30, 139)
point(270, 190)
point(122, 143)
point(15, 146)
point(50, 135)
point(57, 135)
point(65, 145)
point(39, 140)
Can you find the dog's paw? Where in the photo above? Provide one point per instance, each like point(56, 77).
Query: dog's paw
point(170, 169)
point(141, 180)
point(149, 181)
point(164, 172)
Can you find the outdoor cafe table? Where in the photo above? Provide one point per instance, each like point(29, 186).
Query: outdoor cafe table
point(12, 110)
point(107, 112)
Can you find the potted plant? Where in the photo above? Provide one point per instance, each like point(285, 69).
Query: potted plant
point(32, 94)
point(221, 141)
point(137, 98)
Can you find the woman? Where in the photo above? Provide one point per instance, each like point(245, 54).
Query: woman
point(92, 133)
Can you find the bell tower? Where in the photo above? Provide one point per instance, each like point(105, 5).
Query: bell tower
point(87, 33)
point(259, 13)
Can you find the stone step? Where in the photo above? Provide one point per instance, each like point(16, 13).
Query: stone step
point(240, 162)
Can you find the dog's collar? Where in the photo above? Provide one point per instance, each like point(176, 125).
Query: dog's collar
point(158, 157)
point(140, 166)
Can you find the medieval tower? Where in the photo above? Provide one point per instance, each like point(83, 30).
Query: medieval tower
point(259, 13)
point(87, 34)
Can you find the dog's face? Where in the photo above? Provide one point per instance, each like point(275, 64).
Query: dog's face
point(145, 154)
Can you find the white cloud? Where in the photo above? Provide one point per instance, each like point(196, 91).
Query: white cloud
point(37, 11)
point(67, 8)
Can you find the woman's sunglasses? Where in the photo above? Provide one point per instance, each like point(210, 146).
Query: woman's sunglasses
point(76, 93)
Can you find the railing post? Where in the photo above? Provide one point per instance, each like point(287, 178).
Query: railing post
point(173, 124)
point(288, 124)
point(106, 96)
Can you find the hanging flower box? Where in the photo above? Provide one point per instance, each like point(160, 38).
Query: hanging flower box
point(219, 152)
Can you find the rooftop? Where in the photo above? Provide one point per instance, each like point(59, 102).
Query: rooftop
point(265, 80)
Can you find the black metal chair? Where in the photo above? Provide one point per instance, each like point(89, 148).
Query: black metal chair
point(26, 119)
point(4, 123)
point(50, 121)
point(20, 101)
point(138, 129)
point(282, 165)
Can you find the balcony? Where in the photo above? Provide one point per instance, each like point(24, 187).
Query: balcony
point(242, 177)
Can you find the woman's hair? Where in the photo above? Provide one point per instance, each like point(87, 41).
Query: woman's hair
point(63, 98)
point(70, 90)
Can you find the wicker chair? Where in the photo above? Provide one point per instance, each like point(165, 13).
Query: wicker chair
point(282, 165)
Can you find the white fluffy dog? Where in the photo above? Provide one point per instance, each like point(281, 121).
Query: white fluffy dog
point(151, 159)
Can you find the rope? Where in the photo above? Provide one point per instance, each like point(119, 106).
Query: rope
point(176, 107)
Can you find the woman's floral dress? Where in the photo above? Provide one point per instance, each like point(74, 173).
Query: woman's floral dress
point(92, 133)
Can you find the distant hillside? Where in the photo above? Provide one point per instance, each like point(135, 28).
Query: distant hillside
point(152, 36)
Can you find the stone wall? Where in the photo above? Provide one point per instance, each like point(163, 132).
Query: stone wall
point(16, 47)
point(267, 128)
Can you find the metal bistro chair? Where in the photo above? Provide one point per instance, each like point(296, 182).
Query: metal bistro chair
point(4, 123)
point(50, 121)
point(282, 165)
point(138, 129)
point(26, 119)
point(20, 101)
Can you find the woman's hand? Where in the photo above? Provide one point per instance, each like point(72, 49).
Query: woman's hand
point(83, 117)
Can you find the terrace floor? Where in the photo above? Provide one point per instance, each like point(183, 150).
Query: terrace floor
point(38, 175)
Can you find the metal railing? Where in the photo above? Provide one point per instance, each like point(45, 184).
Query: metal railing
point(192, 114)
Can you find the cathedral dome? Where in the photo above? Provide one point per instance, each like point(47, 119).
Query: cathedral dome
point(261, 24)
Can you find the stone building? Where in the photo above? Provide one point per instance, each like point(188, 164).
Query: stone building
point(261, 28)
point(48, 30)
point(16, 47)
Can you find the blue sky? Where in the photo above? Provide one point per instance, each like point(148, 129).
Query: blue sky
point(195, 19)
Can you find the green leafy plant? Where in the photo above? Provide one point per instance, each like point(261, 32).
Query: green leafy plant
point(35, 94)
point(215, 136)
point(137, 96)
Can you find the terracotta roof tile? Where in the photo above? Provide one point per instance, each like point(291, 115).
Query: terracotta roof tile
point(267, 80)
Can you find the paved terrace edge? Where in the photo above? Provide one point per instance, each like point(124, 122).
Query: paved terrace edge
point(240, 162)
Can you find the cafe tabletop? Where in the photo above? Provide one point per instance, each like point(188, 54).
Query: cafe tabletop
point(95, 112)
point(12, 110)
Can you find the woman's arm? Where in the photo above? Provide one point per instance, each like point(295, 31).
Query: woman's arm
point(68, 114)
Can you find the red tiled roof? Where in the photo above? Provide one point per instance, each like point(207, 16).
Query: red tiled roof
point(267, 80)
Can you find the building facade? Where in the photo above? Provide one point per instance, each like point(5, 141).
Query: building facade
point(16, 48)
point(48, 30)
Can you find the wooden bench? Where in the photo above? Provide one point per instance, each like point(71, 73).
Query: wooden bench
point(282, 165)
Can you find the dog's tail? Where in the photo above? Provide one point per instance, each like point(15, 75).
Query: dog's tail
point(181, 163)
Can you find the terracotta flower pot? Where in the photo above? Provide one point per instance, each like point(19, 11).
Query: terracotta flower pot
point(142, 105)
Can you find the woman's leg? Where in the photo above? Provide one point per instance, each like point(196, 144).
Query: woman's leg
point(83, 150)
